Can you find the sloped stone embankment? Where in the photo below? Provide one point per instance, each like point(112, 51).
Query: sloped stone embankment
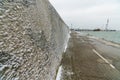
point(32, 40)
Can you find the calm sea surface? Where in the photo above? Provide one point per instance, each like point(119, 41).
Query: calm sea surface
point(107, 35)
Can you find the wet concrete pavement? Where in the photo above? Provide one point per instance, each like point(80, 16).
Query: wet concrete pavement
point(90, 59)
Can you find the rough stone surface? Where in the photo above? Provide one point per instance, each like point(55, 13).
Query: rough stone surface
point(32, 40)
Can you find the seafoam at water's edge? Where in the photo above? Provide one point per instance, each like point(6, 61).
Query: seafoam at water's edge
point(113, 36)
point(105, 41)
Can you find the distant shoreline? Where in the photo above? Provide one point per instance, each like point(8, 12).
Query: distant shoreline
point(92, 30)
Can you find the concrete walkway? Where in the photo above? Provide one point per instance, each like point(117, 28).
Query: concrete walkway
point(90, 59)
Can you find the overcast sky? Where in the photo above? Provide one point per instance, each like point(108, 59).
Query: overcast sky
point(89, 13)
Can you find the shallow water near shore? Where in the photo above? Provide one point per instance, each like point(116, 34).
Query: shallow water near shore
point(113, 36)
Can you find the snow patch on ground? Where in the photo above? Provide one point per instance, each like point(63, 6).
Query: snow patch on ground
point(66, 44)
point(59, 73)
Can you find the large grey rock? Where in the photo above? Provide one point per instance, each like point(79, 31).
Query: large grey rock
point(32, 40)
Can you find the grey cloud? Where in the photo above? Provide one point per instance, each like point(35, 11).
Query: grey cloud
point(89, 13)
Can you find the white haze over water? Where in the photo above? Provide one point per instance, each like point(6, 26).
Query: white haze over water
point(89, 14)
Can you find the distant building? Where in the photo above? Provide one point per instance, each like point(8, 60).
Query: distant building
point(97, 29)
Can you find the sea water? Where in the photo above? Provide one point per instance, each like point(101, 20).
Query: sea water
point(113, 36)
